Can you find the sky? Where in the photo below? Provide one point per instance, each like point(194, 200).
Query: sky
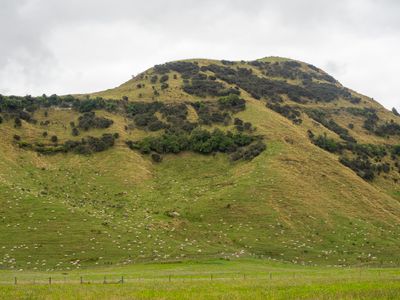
point(75, 46)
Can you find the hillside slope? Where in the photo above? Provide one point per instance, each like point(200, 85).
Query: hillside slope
point(300, 169)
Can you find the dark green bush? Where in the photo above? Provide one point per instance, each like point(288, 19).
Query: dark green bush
point(17, 123)
point(164, 78)
point(156, 157)
point(199, 140)
point(362, 167)
point(54, 139)
point(75, 131)
point(232, 102)
point(327, 144)
point(154, 79)
point(89, 120)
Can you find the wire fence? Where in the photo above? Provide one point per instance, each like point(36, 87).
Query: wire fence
point(129, 279)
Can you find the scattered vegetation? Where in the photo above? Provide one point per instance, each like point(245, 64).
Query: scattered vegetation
point(89, 120)
point(322, 117)
point(86, 145)
point(287, 111)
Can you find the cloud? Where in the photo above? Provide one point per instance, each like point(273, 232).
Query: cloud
point(81, 46)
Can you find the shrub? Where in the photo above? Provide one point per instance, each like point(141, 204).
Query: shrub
point(395, 112)
point(327, 144)
point(156, 157)
point(153, 79)
point(199, 140)
point(232, 102)
point(54, 139)
point(361, 166)
point(164, 78)
point(16, 137)
point(143, 107)
point(286, 111)
point(389, 128)
point(17, 123)
point(396, 150)
point(89, 120)
point(75, 131)
point(203, 87)
point(174, 111)
point(237, 121)
point(44, 134)
point(247, 126)
point(143, 120)
point(156, 125)
point(186, 69)
point(249, 153)
point(322, 117)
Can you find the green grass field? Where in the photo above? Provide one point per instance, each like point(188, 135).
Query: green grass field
point(216, 279)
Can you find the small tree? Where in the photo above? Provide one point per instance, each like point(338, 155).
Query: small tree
point(54, 139)
point(75, 131)
point(44, 134)
point(164, 78)
point(395, 112)
point(154, 79)
point(17, 122)
point(156, 157)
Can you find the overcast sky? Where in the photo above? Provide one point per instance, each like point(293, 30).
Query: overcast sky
point(76, 46)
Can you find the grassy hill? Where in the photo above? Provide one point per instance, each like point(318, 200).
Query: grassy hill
point(153, 180)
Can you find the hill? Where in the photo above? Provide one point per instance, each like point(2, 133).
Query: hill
point(198, 159)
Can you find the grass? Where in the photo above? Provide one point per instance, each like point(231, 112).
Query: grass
point(65, 212)
point(215, 279)
point(294, 203)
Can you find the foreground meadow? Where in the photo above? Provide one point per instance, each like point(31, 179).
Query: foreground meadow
point(245, 279)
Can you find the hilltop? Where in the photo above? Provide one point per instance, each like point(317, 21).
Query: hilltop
point(196, 159)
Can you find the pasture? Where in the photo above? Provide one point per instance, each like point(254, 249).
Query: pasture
point(215, 279)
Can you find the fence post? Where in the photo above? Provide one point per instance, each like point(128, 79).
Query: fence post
point(50, 280)
point(104, 280)
point(15, 280)
point(270, 275)
point(122, 279)
point(81, 279)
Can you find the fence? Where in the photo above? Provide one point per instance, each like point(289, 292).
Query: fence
point(126, 278)
point(123, 279)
